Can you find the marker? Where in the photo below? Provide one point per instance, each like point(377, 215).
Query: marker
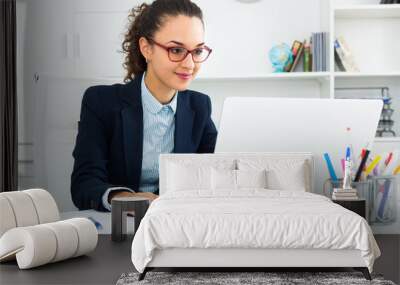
point(348, 153)
point(362, 164)
point(389, 158)
point(352, 158)
point(383, 193)
point(388, 165)
point(342, 161)
point(397, 170)
point(330, 167)
point(372, 165)
point(381, 165)
point(359, 159)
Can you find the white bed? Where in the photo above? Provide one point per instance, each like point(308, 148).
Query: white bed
point(248, 227)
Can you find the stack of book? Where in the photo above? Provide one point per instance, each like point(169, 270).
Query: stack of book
point(297, 51)
point(312, 53)
point(343, 57)
point(344, 194)
point(319, 51)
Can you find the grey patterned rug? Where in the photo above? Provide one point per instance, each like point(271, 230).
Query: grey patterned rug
point(242, 278)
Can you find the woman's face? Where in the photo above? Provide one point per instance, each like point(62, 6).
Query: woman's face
point(179, 31)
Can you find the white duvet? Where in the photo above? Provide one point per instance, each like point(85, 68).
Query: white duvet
point(251, 218)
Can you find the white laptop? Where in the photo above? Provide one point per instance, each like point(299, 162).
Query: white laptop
point(254, 124)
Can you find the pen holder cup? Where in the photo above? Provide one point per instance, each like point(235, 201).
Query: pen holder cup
point(384, 200)
point(379, 193)
point(363, 188)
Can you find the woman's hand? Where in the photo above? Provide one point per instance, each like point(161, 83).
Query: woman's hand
point(148, 195)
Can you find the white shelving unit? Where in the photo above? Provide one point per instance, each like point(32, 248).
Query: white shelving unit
point(366, 75)
point(371, 31)
point(387, 139)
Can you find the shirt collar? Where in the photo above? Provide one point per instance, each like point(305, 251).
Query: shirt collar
point(151, 103)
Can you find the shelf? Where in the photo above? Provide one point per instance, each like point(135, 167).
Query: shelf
point(366, 75)
point(272, 76)
point(368, 11)
point(387, 139)
point(302, 76)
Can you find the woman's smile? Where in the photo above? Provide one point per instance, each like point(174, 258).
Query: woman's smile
point(184, 76)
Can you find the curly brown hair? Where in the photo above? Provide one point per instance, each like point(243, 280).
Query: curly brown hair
point(144, 20)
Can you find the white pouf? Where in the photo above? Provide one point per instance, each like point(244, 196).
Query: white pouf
point(31, 233)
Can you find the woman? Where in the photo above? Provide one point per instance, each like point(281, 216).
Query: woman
point(124, 127)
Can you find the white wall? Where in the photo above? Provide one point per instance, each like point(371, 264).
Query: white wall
point(66, 46)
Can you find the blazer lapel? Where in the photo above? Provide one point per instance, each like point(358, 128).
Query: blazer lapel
point(132, 128)
point(183, 125)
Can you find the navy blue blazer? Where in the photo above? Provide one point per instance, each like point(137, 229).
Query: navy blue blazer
point(109, 144)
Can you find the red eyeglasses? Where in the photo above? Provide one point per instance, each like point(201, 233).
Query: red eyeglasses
point(177, 54)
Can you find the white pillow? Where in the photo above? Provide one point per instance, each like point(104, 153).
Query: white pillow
point(189, 173)
point(292, 180)
point(282, 174)
point(181, 177)
point(251, 178)
point(223, 179)
point(237, 179)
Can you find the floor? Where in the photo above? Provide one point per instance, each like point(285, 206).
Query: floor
point(110, 260)
point(389, 262)
point(102, 266)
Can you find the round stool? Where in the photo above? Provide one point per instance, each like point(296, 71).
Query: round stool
point(120, 206)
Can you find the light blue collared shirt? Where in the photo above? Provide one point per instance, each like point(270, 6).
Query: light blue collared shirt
point(158, 137)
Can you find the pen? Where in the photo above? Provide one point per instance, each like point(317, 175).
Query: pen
point(388, 165)
point(372, 165)
point(330, 167)
point(96, 223)
point(363, 152)
point(352, 157)
point(360, 157)
point(384, 191)
point(397, 170)
point(362, 164)
point(342, 162)
point(347, 153)
point(389, 158)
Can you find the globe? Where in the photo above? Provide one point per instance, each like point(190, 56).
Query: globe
point(280, 55)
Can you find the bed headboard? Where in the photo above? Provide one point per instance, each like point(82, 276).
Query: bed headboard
point(215, 157)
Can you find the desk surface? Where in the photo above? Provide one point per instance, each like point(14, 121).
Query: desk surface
point(102, 266)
